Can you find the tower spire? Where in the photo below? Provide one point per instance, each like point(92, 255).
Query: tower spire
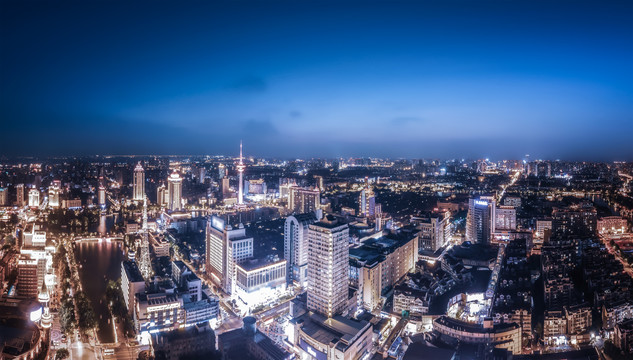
point(240, 170)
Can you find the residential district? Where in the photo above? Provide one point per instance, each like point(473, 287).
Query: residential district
point(215, 257)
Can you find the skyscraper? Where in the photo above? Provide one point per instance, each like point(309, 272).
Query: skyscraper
point(162, 197)
point(175, 191)
point(53, 193)
point(480, 219)
point(303, 201)
point(34, 198)
point(101, 195)
point(20, 196)
point(296, 246)
point(328, 266)
point(225, 247)
point(240, 169)
point(139, 183)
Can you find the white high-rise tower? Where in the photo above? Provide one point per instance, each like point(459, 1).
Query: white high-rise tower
point(139, 183)
point(240, 170)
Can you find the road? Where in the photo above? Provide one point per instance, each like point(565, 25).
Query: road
point(606, 240)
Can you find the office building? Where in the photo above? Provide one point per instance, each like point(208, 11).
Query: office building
point(225, 247)
point(505, 218)
point(259, 281)
point(138, 188)
point(27, 281)
point(34, 198)
point(132, 283)
point(249, 343)
point(4, 196)
point(101, 196)
point(479, 225)
point(328, 266)
point(433, 231)
point(20, 195)
point(54, 191)
point(303, 201)
point(380, 262)
point(296, 246)
point(162, 195)
point(174, 185)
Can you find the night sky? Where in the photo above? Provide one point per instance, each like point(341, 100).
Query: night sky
point(293, 79)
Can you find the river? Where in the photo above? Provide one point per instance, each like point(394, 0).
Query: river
point(99, 262)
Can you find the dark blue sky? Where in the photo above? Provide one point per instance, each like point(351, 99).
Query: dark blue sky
point(406, 79)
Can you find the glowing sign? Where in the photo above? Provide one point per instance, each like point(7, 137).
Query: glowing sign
point(481, 203)
point(217, 223)
point(36, 315)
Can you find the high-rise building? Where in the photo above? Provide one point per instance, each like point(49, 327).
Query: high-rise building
point(174, 184)
point(328, 267)
point(27, 281)
point(303, 201)
point(226, 190)
point(479, 221)
point(139, 183)
point(20, 195)
point(296, 246)
point(162, 196)
point(4, 196)
point(34, 198)
point(225, 247)
point(240, 169)
point(505, 218)
point(101, 197)
point(433, 231)
point(132, 283)
point(221, 171)
point(54, 191)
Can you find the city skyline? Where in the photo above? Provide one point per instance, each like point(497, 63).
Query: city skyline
point(432, 80)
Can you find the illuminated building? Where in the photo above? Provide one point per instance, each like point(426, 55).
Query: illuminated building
point(43, 298)
point(139, 183)
point(158, 312)
point(71, 204)
point(145, 263)
point(225, 247)
point(53, 193)
point(612, 225)
point(102, 195)
point(174, 185)
point(20, 195)
point(132, 283)
point(433, 231)
point(479, 222)
point(337, 338)
point(366, 202)
point(328, 266)
point(503, 336)
point(240, 169)
point(296, 246)
point(4, 197)
point(34, 198)
point(28, 275)
point(319, 182)
point(162, 196)
point(226, 189)
point(303, 201)
point(505, 218)
point(258, 280)
point(380, 262)
point(221, 171)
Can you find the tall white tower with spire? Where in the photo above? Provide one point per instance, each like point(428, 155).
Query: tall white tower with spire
point(43, 298)
point(240, 170)
point(146, 263)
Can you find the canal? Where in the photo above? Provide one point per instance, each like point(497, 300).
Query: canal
point(99, 262)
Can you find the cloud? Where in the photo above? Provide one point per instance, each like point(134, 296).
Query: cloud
point(295, 114)
point(249, 84)
point(407, 120)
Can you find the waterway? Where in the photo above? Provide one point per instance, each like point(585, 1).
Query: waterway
point(106, 223)
point(99, 262)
